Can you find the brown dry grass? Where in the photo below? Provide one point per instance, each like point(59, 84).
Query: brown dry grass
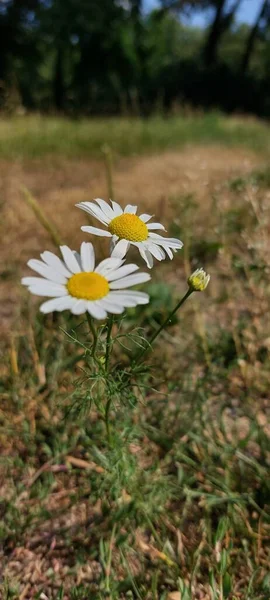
point(148, 181)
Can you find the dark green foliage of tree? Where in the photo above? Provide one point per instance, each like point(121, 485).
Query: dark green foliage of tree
point(109, 56)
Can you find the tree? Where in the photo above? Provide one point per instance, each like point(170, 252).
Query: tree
point(16, 39)
point(221, 23)
point(262, 18)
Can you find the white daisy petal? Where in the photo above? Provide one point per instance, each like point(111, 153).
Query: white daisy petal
point(78, 259)
point(70, 260)
point(154, 245)
point(96, 311)
point(155, 226)
point(122, 272)
point(120, 249)
point(96, 231)
point(33, 280)
point(162, 252)
point(157, 252)
point(169, 252)
point(87, 257)
point(57, 304)
point(87, 207)
point(175, 243)
point(124, 300)
point(145, 218)
point(94, 211)
point(141, 297)
point(82, 283)
point(147, 256)
point(46, 271)
point(99, 214)
point(134, 295)
point(112, 307)
point(55, 262)
point(131, 210)
point(48, 289)
point(129, 281)
point(105, 207)
point(79, 307)
point(159, 239)
point(107, 265)
point(117, 209)
point(113, 243)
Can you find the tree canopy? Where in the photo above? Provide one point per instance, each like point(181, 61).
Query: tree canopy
point(110, 56)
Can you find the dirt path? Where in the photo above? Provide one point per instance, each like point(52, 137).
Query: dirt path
point(149, 181)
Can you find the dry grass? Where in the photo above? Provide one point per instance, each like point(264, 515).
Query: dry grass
point(198, 458)
point(148, 181)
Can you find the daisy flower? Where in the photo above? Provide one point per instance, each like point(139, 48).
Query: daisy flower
point(126, 228)
point(74, 283)
point(198, 281)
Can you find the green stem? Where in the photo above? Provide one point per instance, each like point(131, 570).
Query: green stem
point(94, 334)
point(141, 354)
point(108, 343)
point(107, 423)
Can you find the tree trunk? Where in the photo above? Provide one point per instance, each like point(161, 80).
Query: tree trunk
point(221, 23)
point(250, 45)
point(214, 34)
point(58, 82)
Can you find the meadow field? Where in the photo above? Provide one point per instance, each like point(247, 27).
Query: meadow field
point(178, 508)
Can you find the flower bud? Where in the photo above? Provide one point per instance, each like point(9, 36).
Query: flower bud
point(198, 281)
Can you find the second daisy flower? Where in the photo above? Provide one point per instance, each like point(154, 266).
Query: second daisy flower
point(126, 228)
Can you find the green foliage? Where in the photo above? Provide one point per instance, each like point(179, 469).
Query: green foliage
point(56, 138)
point(84, 57)
point(205, 251)
point(199, 481)
point(260, 178)
point(162, 302)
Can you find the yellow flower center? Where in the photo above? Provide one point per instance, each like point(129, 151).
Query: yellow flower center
point(88, 286)
point(129, 227)
point(197, 283)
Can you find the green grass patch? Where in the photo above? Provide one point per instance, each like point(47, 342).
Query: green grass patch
point(178, 503)
point(37, 136)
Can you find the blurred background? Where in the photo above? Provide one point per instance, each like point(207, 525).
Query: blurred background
point(164, 105)
point(134, 56)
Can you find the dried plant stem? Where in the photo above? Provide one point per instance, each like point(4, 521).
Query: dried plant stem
point(41, 217)
point(107, 153)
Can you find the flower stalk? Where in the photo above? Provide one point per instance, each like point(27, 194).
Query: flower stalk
point(141, 354)
point(108, 343)
point(94, 335)
point(107, 419)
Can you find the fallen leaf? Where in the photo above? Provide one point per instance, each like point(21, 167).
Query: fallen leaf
point(84, 464)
